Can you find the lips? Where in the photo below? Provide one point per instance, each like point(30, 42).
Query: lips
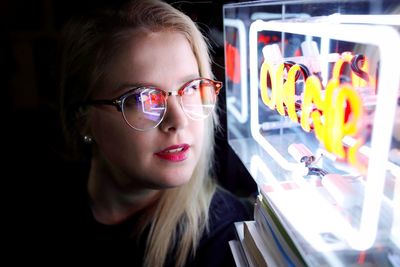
point(175, 153)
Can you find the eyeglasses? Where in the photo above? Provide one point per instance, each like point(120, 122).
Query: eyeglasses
point(144, 108)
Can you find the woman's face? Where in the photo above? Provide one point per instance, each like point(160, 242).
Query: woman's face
point(162, 157)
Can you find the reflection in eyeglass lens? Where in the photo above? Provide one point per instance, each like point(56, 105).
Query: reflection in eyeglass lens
point(144, 107)
point(198, 99)
point(152, 102)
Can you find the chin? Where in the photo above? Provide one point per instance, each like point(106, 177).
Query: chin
point(172, 181)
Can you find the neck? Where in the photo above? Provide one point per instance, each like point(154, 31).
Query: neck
point(112, 203)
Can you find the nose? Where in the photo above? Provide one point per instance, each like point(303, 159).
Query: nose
point(175, 119)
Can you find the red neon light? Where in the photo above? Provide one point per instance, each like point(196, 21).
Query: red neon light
point(232, 63)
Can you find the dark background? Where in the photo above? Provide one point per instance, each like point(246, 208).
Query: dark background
point(34, 164)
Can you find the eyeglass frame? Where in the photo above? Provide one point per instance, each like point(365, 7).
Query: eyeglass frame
point(119, 101)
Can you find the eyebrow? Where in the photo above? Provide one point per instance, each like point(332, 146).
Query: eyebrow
point(132, 85)
point(125, 86)
point(189, 78)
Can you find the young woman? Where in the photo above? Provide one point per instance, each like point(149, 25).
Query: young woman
point(137, 88)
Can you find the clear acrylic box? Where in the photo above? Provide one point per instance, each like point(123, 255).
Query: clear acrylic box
point(313, 111)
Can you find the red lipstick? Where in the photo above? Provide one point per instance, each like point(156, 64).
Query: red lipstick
point(175, 153)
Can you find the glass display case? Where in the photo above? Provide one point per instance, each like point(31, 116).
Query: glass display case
point(313, 111)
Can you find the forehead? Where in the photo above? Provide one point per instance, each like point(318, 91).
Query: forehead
point(164, 59)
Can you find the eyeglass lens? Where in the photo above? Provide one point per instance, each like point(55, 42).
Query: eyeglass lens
point(145, 108)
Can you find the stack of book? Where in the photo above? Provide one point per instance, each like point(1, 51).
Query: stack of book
point(264, 241)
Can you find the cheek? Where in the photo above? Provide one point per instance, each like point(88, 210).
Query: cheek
point(199, 132)
point(105, 124)
point(113, 137)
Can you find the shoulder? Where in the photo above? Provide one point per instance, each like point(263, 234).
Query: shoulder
point(225, 209)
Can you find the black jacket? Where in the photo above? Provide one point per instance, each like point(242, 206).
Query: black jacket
point(66, 232)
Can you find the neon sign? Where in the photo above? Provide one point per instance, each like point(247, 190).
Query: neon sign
point(232, 63)
point(381, 102)
point(333, 116)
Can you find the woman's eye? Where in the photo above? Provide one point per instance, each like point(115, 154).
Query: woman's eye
point(190, 90)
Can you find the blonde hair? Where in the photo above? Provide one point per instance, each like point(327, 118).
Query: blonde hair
point(181, 215)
